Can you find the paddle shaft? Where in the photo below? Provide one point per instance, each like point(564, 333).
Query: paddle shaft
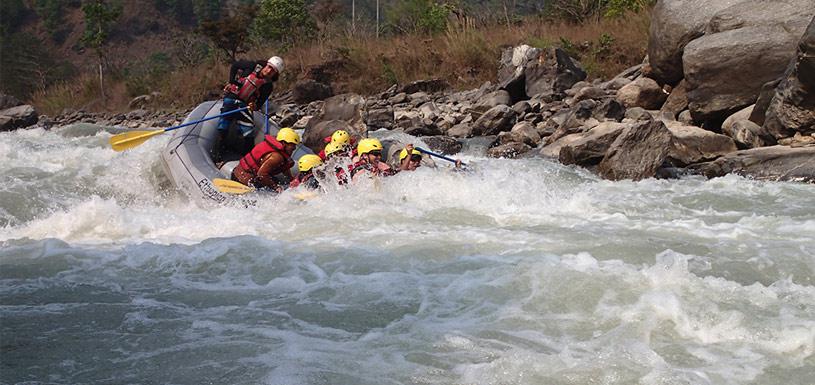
point(437, 155)
point(204, 120)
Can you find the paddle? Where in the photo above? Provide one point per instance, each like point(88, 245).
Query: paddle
point(231, 187)
point(132, 139)
point(440, 156)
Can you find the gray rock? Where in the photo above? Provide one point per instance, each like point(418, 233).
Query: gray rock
point(589, 93)
point(461, 130)
point(553, 149)
point(691, 144)
point(345, 108)
point(677, 100)
point(490, 100)
point(18, 117)
point(637, 152)
point(553, 73)
point(398, 98)
point(637, 114)
point(776, 163)
point(643, 92)
point(429, 86)
point(609, 109)
point(509, 150)
point(616, 83)
point(308, 90)
point(725, 71)
point(525, 132)
point(313, 135)
point(522, 108)
point(380, 117)
point(792, 108)
point(685, 118)
point(674, 23)
point(497, 119)
point(511, 69)
point(443, 144)
point(745, 133)
point(590, 149)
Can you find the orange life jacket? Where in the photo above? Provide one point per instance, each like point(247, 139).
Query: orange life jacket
point(251, 161)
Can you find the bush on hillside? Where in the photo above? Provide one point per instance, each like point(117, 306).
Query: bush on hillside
point(283, 21)
point(417, 16)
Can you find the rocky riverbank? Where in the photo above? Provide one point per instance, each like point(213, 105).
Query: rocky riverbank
point(728, 87)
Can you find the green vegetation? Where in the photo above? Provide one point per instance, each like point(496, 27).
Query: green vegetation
point(195, 40)
point(283, 21)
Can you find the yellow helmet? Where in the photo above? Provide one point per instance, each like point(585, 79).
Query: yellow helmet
point(308, 161)
point(367, 145)
point(286, 134)
point(340, 136)
point(404, 153)
point(333, 147)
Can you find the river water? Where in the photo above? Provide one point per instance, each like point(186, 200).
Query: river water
point(520, 272)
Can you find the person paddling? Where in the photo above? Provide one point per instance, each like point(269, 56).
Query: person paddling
point(339, 137)
point(337, 155)
point(369, 160)
point(268, 158)
point(250, 84)
point(306, 165)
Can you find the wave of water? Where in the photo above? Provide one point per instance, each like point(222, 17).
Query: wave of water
point(521, 272)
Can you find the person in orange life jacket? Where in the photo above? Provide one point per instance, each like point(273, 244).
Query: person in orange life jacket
point(334, 153)
point(250, 84)
point(268, 158)
point(369, 159)
point(306, 165)
point(339, 137)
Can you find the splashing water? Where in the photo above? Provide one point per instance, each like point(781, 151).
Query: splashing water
point(521, 272)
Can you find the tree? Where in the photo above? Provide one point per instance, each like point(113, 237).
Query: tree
point(230, 34)
point(284, 21)
point(99, 17)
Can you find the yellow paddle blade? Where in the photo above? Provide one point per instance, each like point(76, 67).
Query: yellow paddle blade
point(130, 139)
point(305, 195)
point(231, 187)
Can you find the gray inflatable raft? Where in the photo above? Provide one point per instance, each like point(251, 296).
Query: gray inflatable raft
point(186, 158)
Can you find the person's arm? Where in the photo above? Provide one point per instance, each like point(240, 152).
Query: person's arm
point(269, 166)
point(403, 164)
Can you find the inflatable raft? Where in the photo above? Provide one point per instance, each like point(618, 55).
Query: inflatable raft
point(187, 161)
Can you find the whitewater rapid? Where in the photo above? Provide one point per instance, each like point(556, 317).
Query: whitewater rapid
point(520, 272)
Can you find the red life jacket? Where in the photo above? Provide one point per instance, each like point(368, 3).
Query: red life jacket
point(251, 161)
point(249, 88)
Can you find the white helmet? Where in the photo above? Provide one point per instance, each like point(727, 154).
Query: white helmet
point(277, 63)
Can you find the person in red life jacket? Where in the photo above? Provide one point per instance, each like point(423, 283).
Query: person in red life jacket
point(369, 160)
point(250, 84)
point(306, 177)
point(340, 137)
point(338, 155)
point(268, 158)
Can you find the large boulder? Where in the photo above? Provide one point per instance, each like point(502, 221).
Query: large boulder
point(346, 108)
point(527, 72)
point(690, 144)
point(637, 153)
point(553, 149)
point(643, 92)
point(443, 144)
point(674, 23)
point(677, 100)
point(792, 108)
point(509, 150)
point(725, 71)
point(592, 146)
point(380, 117)
point(552, 74)
point(308, 90)
point(497, 119)
point(777, 163)
point(18, 117)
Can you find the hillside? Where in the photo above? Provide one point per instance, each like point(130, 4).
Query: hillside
point(45, 61)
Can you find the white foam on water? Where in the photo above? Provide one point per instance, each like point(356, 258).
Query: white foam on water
point(523, 271)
